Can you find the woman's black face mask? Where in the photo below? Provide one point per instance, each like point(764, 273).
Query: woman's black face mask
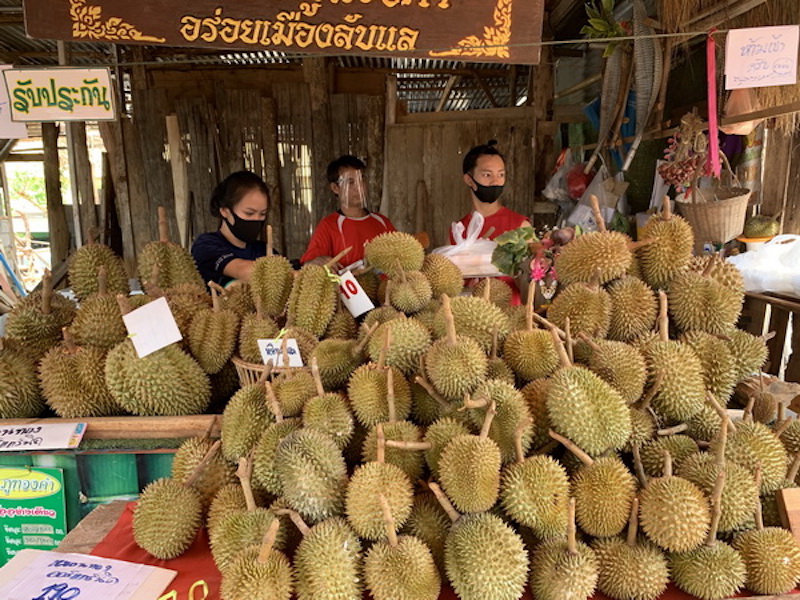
point(247, 231)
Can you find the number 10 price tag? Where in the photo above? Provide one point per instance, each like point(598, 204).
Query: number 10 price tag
point(353, 295)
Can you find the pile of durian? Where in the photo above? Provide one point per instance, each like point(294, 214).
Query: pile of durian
point(451, 439)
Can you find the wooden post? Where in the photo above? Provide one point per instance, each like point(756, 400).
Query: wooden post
point(390, 110)
point(83, 175)
point(376, 148)
point(542, 88)
point(180, 177)
point(113, 139)
point(63, 59)
point(272, 173)
point(56, 215)
point(315, 73)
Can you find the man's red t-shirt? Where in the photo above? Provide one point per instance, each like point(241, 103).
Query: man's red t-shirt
point(336, 232)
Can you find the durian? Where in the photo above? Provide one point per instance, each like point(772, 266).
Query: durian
point(444, 276)
point(530, 352)
point(84, 264)
point(411, 291)
point(98, 320)
point(409, 341)
point(633, 309)
point(476, 318)
point(271, 281)
point(175, 265)
point(391, 251)
point(20, 396)
point(213, 336)
point(671, 251)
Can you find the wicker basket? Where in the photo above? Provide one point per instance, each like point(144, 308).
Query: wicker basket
point(716, 219)
point(250, 373)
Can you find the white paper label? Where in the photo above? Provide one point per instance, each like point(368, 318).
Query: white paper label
point(353, 295)
point(761, 57)
point(152, 327)
point(42, 575)
point(272, 352)
point(46, 436)
point(8, 129)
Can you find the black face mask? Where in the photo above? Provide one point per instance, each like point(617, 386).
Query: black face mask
point(247, 231)
point(486, 193)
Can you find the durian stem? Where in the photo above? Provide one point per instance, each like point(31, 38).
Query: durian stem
point(759, 514)
point(487, 289)
point(425, 384)
point(710, 265)
point(296, 519)
point(652, 392)
point(572, 546)
point(598, 216)
point(408, 445)
point(198, 470)
point(124, 304)
point(269, 240)
point(666, 209)
point(496, 335)
point(761, 381)
point(69, 340)
point(679, 428)
point(387, 339)
point(265, 373)
point(548, 448)
point(259, 308)
point(716, 507)
point(528, 308)
point(102, 280)
point(214, 300)
point(548, 325)
point(468, 403)
point(633, 522)
point(568, 340)
point(211, 426)
point(663, 316)
point(390, 395)
point(317, 378)
point(637, 462)
point(151, 285)
point(791, 475)
point(244, 473)
point(588, 341)
point(363, 271)
point(722, 442)
point(285, 351)
point(400, 270)
point(449, 320)
point(562, 352)
point(269, 540)
point(338, 257)
point(768, 336)
point(572, 447)
point(272, 402)
point(388, 519)
point(783, 425)
point(634, 246)
point(748, 410)
point(720, 410)
point(163, 225)
point(667, 464)
point(47, 292)
point(387, 294)
point(781, 412)
point(487, 420)
point(444, 502)
point(368, 331)
point(381, 454)
point(518, 432)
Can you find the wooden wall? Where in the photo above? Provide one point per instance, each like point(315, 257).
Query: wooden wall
point(430, 148)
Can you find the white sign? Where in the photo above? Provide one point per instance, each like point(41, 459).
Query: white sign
point(152, 327)
point(761, 57)
point(47, 436)
point(60, 94)
point(8, 129)
point(42, 575)
point(353, 295)
point(272, 352)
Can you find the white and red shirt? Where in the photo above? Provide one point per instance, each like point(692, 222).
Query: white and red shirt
point(336, 232)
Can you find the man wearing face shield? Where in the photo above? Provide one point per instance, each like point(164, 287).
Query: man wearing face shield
point(353, 224)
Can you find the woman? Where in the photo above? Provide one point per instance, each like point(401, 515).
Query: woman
point(241, 202)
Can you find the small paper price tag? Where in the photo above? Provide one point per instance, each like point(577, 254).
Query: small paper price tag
point(761, 56)
point(152, 327)
point(44, 436)
point(353, 295)
point(272, 352)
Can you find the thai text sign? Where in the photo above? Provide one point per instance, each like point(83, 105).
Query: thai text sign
point(60, 94)
point(32, 510)
point(474, 30)
point(761, 57)
point(41, 436)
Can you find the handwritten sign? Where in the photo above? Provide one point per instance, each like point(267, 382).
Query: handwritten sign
point(47, 436)
point(41, 575)
point(761, 57)
point(272, 352)
point(8, 129)
point(152, 327)
point(60, 94)
point(353, 295)
point(472, 30)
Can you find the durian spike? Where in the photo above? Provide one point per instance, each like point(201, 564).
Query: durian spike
point(562, 352)
point(644, 403)
point(296, 519)
point(444, 501)
point(791, 474)
point(572, 447)
point(722, 442)
point(102, 279)
point(387, 340)
point(679, 428)
point(666, 209)
point(572, 546)
point(317, 378)
point(269, 240)
point(598, 216)
point(390, 395)
point(720, 410)
point(667, 464)
point(663, 316)
point(400, 270)
point(198, 470)
point(214, 300)
point(637, 463)
point(716, 508)
point(449, 320)
point(338, 257)
point(391, 528)
point(244, 473)
point(269, 541)
point(487, 420)
point(272, 402)
point(783, 425)
point(748, 410)
point(487, 290)
point(163, 225)
point(633, 522)
point(759, 514)
point(568, 340)
point(124, 304)
point(400, 445)
point(69, 341)
point(518, 432)
point(419, 379)
point(368, 331)
point(47, 292)
point(496, 335)
point(381, 457)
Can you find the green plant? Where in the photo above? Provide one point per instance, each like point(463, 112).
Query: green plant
point(603, 25)
point(512, 248)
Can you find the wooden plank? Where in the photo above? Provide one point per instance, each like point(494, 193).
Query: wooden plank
point(432, 221)
point(315, 72)
point(111, 132)
point(793, 367)
point(375, 121)
point(791, 207)
point(56, 215)
point(788, 501)
point(778, 323)
point(85, 184)
point(272, 169)
point(778, 155)
point(518, 112)
point(136, 428)
point(180, 178)
point(138, 197)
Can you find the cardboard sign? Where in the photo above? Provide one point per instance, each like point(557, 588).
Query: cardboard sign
point(152, 327)
point(40, 575)
point(60, 94)
point(761, 57)
point(9, 130)
point(45, 436)
point(353, 295)
point(272, 352)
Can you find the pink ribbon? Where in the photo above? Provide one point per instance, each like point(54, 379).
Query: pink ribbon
point(713, 164)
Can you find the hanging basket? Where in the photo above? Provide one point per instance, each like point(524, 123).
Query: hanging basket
point(249, 373)
point(717, 215)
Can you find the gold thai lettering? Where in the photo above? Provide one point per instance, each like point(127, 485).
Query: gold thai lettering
point(311, 8)
point(324, 35)
point(212, 26)
point(27, 96)
point(251, 31)
point(190, 28)
point(230, 32)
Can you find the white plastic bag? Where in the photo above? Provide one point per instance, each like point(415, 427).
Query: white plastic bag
point(774, 267)
point(471, 253)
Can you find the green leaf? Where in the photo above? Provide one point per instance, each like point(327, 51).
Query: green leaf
point(599, 24)
point(608, 6)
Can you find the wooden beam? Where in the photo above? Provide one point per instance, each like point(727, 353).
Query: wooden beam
point(766, 113)
point(579, 86)
point(272, 174)
point(85, 182)
point(512, 86)
point(518, 112)
point(446, 92)
point(180, 177)
point(723, 12)
point(136, 428)
point(21, 157)
point(56, 215)
point(485, 89)
point(315, 73)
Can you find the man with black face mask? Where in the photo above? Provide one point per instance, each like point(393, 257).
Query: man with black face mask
point(485, 176)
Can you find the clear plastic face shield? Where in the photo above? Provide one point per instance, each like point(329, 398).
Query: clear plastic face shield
point(352, 189)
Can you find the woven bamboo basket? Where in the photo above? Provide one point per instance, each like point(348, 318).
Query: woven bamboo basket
point(249, 373)
point(718, 217)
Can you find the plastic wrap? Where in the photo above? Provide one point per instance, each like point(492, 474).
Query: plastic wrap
point(774, 267)
point(471, 253)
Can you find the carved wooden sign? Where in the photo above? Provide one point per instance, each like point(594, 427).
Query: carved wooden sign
point(473, 30)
